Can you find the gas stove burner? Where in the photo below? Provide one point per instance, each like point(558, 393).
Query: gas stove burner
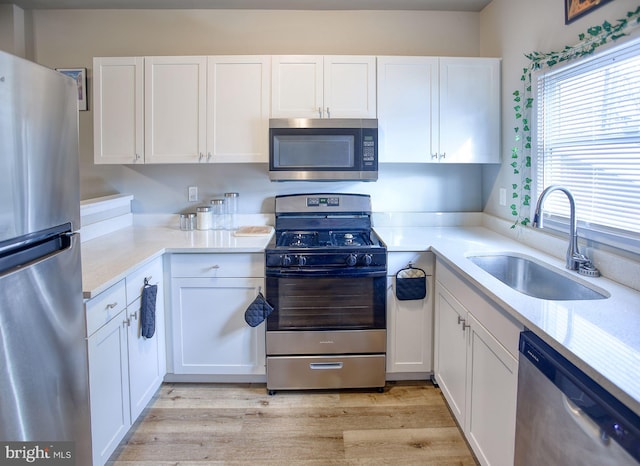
point(350, 239)
point(296, 239)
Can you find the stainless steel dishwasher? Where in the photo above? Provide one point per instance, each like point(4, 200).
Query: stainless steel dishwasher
point(565, 418)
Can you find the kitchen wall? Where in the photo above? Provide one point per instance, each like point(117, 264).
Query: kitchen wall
point(506, 28)
point(71, 38)
point(509, 29)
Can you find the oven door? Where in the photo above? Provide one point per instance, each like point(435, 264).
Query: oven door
point(326, 301)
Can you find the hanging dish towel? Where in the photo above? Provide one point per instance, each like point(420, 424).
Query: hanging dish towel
point(411, 283)
point(148, 309)
point(257, 311)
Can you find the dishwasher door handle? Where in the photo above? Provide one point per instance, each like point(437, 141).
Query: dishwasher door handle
point(585, 423)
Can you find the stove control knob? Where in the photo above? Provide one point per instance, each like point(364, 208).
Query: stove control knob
point(367, 259)
point(302, 261)
point(286, 261)
point(352, 259)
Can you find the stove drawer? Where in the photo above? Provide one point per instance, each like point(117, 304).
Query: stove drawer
point(326, 342)
point(321, 372)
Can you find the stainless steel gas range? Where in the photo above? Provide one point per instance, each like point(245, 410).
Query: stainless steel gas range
point(326, 279)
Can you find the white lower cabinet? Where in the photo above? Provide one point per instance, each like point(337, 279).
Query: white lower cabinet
point(209, 295)
point(410, 322)
point(476, 366)
point(109, 385)
point(125, 369)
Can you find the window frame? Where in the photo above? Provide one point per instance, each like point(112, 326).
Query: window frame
point(625, 240)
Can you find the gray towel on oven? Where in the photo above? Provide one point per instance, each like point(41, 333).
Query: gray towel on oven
point(257, 311)
point(148, 310)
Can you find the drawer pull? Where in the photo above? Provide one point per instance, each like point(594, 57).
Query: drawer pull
point(134, 315)
point(319, 366)
point(215, 267)
point(112, 305)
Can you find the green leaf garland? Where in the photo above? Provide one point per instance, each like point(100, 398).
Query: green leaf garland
point(595, 37)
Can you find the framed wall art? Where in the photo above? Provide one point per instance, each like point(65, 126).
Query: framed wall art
point(574, 9)
point(79, 75)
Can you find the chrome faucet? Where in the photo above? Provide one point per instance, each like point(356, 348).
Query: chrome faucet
point(575, 260)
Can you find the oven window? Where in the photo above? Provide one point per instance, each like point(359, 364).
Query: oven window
point(326, 303)
point(314, 151)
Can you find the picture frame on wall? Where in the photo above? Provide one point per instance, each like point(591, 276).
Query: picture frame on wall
point(79, 75)
point(574, 9)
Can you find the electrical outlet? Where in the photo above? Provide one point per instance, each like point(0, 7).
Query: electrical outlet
point(503, 196)
point(193, 194)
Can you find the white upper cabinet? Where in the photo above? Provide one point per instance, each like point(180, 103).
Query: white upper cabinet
point(238, 108)
point(469, 110)
point(175, 109)
point(443, 110)
point(407, 108)
point(297, 86)
point(118, 110)
point(311, 86)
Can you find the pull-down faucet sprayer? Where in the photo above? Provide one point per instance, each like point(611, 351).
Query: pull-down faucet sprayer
point(574, 259)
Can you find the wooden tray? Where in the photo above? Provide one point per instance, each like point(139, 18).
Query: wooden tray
point(254, 231)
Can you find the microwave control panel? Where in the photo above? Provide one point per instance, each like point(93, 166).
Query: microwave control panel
point(368, 149)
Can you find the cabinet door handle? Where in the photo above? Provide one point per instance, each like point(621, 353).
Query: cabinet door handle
point(434, 156)
point(460, 320)
point(215, 267)
point(136, 158)
point(201, 157)
point(443, 155)
point(465, 326)
point(328, 113)
point(319, 112)
point(209, 157)
point(126, 323)
point(134, 315)
point(112, 305)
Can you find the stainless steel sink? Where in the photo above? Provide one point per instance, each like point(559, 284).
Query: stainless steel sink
point(528, 276)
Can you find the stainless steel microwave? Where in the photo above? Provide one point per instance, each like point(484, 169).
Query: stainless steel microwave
point(331, 149)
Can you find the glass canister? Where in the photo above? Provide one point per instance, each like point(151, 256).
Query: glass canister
point(232, 210)
point(217, 213)
point(188, 221)
point(204, 218)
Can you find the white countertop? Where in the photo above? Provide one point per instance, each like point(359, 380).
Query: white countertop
point(601, 337)
point(109, 258)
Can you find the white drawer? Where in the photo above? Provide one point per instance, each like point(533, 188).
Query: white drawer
point(217, 265)
point(105, 306)
point(151, 271)
point(399, 260)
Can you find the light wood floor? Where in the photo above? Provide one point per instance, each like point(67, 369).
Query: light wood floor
point(215, 424)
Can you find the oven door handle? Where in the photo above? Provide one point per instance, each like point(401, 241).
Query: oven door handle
point(322, 272)
point(323, 366)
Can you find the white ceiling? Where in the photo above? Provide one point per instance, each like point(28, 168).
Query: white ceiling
point(441, 5)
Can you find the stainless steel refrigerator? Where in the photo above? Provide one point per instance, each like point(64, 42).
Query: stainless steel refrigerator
point(44, 388)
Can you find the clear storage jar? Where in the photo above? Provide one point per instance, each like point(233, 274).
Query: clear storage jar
point(188, 222)
point(218, 211)
point(232, 210)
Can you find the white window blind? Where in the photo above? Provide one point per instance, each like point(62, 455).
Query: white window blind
point(588, 140)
